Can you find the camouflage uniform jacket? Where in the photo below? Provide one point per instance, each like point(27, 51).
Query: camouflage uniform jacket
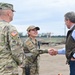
point(11, 49)
point(32, 53)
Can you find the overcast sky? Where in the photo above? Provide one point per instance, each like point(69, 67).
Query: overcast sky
point(47, 14)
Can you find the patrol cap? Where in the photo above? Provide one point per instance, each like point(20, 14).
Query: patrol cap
point(32, 27)
point(6, 6)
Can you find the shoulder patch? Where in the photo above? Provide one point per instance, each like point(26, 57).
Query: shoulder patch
point(29, 44)
point(14, 33)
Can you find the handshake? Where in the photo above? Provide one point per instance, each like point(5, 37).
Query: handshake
point(52, 51)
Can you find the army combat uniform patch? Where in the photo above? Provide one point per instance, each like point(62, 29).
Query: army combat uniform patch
point(14, 33)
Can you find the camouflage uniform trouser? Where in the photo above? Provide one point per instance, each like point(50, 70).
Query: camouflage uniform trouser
point(9, 71)
point(7, 74)
point(34, 71)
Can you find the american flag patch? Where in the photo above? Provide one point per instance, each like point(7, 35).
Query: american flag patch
point(14, 33)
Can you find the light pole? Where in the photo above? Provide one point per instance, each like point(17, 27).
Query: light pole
point(64, 30)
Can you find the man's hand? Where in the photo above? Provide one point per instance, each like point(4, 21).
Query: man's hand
point(72, 59)
point(21, 65)
point(52, 51)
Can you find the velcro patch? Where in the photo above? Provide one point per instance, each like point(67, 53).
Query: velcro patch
point(14, 33)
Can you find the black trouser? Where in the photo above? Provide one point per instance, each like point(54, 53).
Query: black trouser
point(27, 70)
point(72, 67)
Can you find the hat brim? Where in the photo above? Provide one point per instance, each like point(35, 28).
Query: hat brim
point(37, 28)
point(13, 10)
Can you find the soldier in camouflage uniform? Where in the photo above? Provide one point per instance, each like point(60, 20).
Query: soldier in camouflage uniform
point(32, 51)
point(11, 48)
